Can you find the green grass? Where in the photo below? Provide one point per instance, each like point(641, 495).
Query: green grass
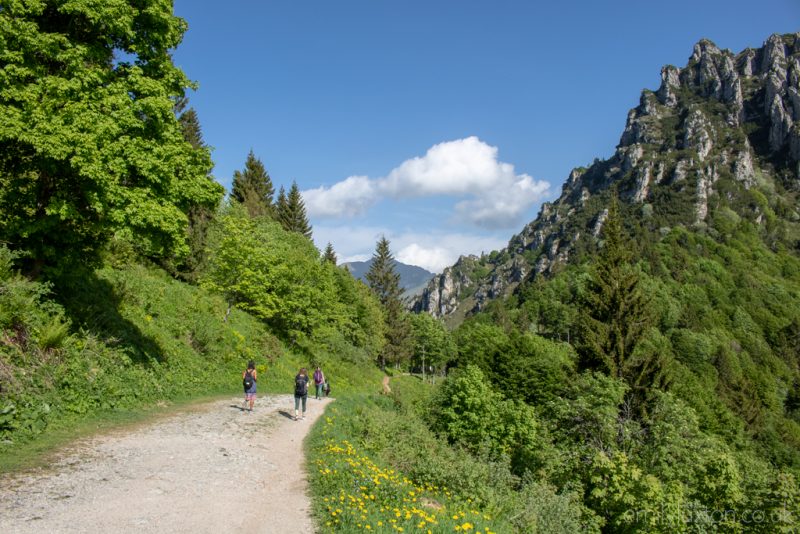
point(375, 466)
point(139, 342)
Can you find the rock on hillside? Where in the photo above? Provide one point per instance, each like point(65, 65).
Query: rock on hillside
point(721, 134)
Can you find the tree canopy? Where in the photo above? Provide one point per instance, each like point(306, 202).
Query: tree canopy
point(89, 142)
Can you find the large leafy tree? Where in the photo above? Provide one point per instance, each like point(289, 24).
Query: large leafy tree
point(253, 187)
point(89, 141)
point(432, 344)
point(272, 274)
point(385, 283)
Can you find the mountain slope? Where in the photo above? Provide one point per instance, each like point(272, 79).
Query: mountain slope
point(719, 141)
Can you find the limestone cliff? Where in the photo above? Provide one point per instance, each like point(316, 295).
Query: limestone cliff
point(723, 131)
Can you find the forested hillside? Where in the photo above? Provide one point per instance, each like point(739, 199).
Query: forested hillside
point(107, 210)
point(649, 318)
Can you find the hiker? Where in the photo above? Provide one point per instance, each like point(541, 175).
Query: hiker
point(249, 378)
point(319, 382)
point(300, 391)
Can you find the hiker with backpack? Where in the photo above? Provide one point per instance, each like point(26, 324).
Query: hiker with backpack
point(249, 378)
point(319, 382)
point(300, 391)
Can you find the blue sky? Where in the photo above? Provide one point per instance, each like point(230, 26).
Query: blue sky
point(442, 125)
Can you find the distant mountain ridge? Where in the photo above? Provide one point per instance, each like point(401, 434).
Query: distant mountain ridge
point(412, 278)
point(719, 140)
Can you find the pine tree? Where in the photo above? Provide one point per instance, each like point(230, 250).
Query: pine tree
point(189, 122)
point(200, 216)
point(329, 255)
point(281, 208)
point(385, 283)
point(291, 211)
point(253, 187)
point(616, 314)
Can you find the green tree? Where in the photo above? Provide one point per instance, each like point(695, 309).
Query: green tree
point(90, 146)
point(385, 283)
point(190, 123)
point(433, 344)
point(291, 211)
point(616, 314)
point(253, 187)
point(329, 255)
point(274, 275)
point(200, 216)
point(468, 411)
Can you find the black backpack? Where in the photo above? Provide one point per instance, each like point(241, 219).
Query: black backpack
point(248, 380)
point(301, 385)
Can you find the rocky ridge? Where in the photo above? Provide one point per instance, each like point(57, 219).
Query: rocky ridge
point(714, 134)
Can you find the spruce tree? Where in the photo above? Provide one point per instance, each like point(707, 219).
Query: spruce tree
point(281, 208)
point(385, 283)
point(253, 187)
point(616, 314)
point(329, 255)
point(189, 122)
point(199, 216)
point(291, 211)
point(190, 125)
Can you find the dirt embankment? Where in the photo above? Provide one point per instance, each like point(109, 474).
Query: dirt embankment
point(215, 469)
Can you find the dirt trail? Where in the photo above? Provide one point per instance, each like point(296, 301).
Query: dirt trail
point(216, 469)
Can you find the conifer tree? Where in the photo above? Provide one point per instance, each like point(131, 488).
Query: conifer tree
point(190, 123)
point(253, 187)
point(616, 314)
point(385, 283)
point(291, 211)
point(329, 255)
point(281, 208)
point(199, 216)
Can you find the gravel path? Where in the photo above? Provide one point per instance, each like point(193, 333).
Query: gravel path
point(215, 469)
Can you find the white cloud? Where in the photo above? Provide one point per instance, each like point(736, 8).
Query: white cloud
point(505, 207)
point(437, 250)
point(464, 166)
point(350, 197)
point(495, 196)
point(433, 259)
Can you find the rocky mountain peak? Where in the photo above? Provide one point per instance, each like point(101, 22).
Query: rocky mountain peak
point(723, 122)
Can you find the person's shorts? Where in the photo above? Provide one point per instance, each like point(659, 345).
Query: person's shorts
point(250, 396)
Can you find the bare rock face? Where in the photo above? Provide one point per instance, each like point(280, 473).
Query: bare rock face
point(743, 170)
point(698, 134)
point(747, 64)
point(441, 296)
point(780, 124)
point(670, 83)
